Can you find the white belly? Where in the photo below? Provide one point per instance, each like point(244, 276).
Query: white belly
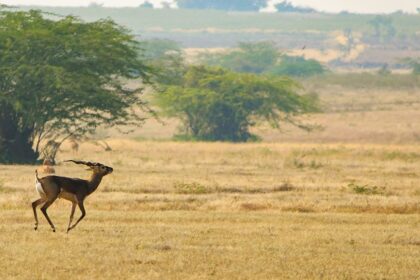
point(39, 189)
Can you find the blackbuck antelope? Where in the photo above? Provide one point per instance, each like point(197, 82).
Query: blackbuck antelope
point(72, 189)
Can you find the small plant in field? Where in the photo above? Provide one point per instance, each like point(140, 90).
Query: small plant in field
point(249, 206)
point(314, 164)
point(366, 189)
point(298, 162)
point(191, 188)
point(398, 155)
point(285, 187)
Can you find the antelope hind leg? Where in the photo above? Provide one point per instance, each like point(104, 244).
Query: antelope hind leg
point(35, 204)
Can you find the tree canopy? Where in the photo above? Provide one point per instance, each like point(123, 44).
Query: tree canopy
point(262, 58)
point(297, 66)
point(414, 63)
point(147, 5)
point(249, 57)
point(383, 27)
point(62, 77)
point(166, 58)
point(159, 49)
point(287, 7)
point(220, 105)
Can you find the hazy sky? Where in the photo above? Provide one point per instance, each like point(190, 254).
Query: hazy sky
point(361, 6)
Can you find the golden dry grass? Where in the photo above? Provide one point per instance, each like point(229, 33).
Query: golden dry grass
point(340, 203)
point(224, 211)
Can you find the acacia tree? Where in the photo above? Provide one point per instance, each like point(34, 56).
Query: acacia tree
point(220, 105)
point(62, 77)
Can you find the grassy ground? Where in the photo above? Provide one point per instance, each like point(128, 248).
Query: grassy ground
point(224, 211)
point(339, 203)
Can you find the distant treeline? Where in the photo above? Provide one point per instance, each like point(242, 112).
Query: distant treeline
point(395, 35)
point(234, 5)
point(160, 20)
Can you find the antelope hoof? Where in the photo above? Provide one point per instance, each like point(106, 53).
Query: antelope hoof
point(53, 229)
point(35, 227)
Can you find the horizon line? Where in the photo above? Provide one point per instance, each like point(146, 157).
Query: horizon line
point(262, 11)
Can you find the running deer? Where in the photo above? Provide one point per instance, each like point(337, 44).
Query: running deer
point(73, 189)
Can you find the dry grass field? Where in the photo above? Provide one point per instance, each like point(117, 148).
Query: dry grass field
point(340, 203)
point(224, 211)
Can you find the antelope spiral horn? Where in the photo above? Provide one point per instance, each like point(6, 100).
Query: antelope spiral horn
point(80, 162)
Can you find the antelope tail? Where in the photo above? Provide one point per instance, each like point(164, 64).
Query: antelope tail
point(36, 175)
point(38, 185)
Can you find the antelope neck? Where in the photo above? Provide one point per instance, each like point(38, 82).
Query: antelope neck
point(94, 181)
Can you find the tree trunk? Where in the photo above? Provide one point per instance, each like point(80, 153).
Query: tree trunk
point(15, 142)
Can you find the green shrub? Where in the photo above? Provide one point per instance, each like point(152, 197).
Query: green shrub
point(191, 188)
point(366, 189)
point(248, 58)
point(297, 66)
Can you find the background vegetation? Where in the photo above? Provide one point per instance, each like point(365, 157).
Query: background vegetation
point(139, 19)
point(234, 5)
point(264, 58)
point(341, 202)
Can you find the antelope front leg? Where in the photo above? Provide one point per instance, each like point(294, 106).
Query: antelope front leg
point(73, 207)
point(82, 209)
point(35, 204)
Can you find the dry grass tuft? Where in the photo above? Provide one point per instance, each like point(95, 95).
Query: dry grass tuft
point(285, 187)
point(299, 208)
point(253, 206)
